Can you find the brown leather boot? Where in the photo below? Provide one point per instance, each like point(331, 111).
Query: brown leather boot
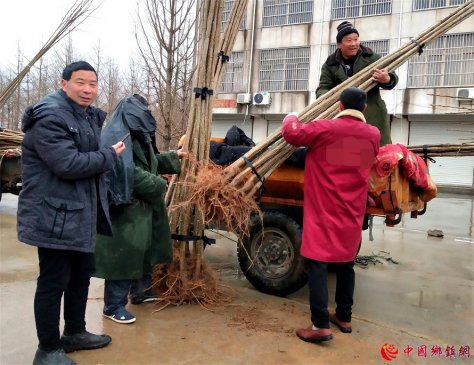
point(310, 335)
point(345, 327)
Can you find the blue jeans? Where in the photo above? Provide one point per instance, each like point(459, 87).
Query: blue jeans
point(116, 292)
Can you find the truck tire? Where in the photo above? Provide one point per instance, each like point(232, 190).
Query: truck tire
point(269, 257)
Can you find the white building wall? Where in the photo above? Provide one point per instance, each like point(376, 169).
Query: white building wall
point(399, 27)
point(400, 129)
point(260, 129)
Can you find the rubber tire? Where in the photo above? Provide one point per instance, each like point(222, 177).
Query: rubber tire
point(295, 277)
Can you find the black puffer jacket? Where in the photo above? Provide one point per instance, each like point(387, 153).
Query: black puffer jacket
point(63, 202)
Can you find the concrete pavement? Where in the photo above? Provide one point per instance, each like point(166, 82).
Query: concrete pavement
point(426, 302)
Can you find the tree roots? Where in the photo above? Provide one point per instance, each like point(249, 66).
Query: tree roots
point(177, 286)
point(217, 200)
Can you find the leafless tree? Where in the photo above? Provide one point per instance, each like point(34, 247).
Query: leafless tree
point(112, 83)
point(111, 86)
point(36, 84)
point(134, 79)
point(79, 11)
point(44, 78)
point(165, 38)
point(7, 111)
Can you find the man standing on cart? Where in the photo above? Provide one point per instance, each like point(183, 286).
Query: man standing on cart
point(349, 58)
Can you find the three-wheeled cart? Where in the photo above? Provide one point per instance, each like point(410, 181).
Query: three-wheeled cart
point(269, 256)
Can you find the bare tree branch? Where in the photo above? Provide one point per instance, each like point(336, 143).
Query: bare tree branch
point(165, 36)
point(74, 17)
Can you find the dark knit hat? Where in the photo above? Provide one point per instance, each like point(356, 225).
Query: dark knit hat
point(353, 98)
point(344, 29)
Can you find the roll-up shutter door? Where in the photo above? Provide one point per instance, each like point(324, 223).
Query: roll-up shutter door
point(220, 127)
point(457, 171)
point(273, 125)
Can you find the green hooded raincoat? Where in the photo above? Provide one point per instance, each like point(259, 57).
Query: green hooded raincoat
point(141, 232)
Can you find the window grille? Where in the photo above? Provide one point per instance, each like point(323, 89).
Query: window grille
point(342, 9)
point(381, 46)
point(433, 4)
point(284, 69)
point(232, 81)
point(447, 61)
point(284, 12)
point(228, 4)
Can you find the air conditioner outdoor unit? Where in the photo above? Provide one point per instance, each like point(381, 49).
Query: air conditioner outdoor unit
point(262, 98)
point(465, 93)
point(244, 98)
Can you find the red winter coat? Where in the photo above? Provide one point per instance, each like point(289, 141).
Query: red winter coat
point(340, 155)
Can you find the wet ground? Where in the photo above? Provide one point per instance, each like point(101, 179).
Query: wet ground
point(426, 301)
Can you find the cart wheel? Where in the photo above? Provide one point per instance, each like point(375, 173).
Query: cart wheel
point(269, 257)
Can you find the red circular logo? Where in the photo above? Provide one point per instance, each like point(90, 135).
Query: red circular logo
point(388, 351)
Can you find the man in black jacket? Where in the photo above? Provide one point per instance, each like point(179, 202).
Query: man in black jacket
point(62, 205)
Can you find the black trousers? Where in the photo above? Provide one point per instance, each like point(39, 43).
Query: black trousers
point(317, 272)
point(61, 272)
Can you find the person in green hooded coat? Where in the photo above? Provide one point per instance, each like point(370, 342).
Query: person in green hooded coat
point(349, 58)
point(141, 233)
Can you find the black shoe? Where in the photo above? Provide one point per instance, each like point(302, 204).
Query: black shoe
point(83, 341)
point(56, 357)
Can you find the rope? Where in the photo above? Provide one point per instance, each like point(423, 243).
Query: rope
point(420, 46)
point(252, 167)
point(425, 154)
point(222, 235)
point(224, 58)
point(187, 238)
point(203, 92)
point(364, 261)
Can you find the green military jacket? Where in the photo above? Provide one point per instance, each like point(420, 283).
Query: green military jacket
point(141, 233)
point(334, 73)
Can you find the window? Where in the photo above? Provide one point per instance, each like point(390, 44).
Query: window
point(379, 46)
point(228, 4)
point(433, 4)
point(232, 81)
point(284, 69)
point(447, 61)
point(342, 9)
point(284, 12)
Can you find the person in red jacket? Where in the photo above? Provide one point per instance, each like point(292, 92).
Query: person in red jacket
point(340, 154)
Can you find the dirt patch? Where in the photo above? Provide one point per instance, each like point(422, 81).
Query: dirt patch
point(261, 316)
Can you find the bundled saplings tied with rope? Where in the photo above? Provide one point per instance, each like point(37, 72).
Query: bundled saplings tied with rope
point(271, 153)
point(10, 141)
point(200, 197)
point(187, 279)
